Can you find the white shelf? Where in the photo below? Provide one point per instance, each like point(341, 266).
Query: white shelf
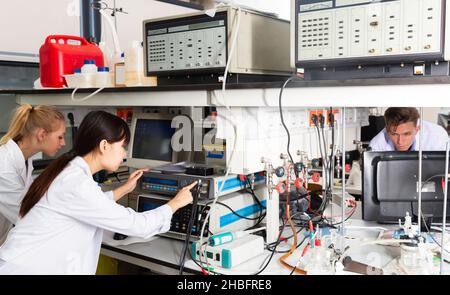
point(423, 95)
point(118, 99)
point(398, 92)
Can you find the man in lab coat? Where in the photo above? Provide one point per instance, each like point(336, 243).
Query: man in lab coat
point(402, 133)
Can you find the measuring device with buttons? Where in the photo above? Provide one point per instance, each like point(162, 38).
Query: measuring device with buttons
point(197, 46)
point(180, 219)
point(170, 184)
point(221, 218)
point(348, 38)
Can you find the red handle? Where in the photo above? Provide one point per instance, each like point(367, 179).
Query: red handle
point(66, 37)
point(298, 183)
point(281, 188)
point(316, 177)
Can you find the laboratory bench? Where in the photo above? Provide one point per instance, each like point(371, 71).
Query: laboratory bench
point(161, 255)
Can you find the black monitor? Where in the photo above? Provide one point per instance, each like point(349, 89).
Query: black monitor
point(390, 186)
point(150, 144)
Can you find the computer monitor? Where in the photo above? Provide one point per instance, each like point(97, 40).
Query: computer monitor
point(150, 144)
point(390, 186)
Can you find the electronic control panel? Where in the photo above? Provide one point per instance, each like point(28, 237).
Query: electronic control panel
point(194, 43)
point(234, 211)
point(349, 32)
point(199, 44)
point(180, 219)
point(170, 184)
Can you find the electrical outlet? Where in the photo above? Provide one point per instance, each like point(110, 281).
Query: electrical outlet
point(316, 113)
point(335, 112)
point(175, 111)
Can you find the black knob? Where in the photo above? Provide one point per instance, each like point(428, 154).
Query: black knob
point(315, 163)
point(298, 167)
point(279, 171)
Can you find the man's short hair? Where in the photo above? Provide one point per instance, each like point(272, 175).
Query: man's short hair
point(396, 116)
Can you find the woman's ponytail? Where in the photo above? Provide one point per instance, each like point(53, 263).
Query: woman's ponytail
point(18, 124)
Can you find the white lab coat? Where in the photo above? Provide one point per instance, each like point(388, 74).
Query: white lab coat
point(62, 233)
point(15, 179)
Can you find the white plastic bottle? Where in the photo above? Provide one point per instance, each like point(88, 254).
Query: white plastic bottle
point(89, 67)
point(119, 72)
point(117, 58)
point(134, 64)
point(103, 78)
point(80, 80)
point(107, 54)
point(88, 70)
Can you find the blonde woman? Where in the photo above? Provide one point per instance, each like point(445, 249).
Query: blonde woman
point(32, 130)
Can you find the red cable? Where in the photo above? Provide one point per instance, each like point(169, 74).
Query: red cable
point(305, 249)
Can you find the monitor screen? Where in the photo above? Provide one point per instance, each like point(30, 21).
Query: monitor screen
point(391, 185)
point(152, 140)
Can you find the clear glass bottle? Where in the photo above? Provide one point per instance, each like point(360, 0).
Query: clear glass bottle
point(319, 260)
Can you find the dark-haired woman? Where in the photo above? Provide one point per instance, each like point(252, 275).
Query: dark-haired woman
point(65, 212)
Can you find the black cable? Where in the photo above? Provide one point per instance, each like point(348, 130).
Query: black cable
point(334, 224)
point(73, 129)
point(320, 142)
point(325, 163)
point(327, 166)
point(431, 236)
point(255, 198)
point(292, 272)
point(282, 117)
point(190, 225)
point(331, 118)
point(252, 191)
point(295, 267)
point(192, 258)
point(325, 146)
point(276, 245)
point(331, 161)
point(273, 252)
point(232, 211)
point(290, 237)
point(424, 220)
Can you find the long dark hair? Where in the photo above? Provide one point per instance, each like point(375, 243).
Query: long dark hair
point(95, 127)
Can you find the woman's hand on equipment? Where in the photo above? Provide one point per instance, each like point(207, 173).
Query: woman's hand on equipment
point(130, 185)
point(183, 198)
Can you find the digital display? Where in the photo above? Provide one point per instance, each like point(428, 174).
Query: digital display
point(160, 181)
point(149, 206)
